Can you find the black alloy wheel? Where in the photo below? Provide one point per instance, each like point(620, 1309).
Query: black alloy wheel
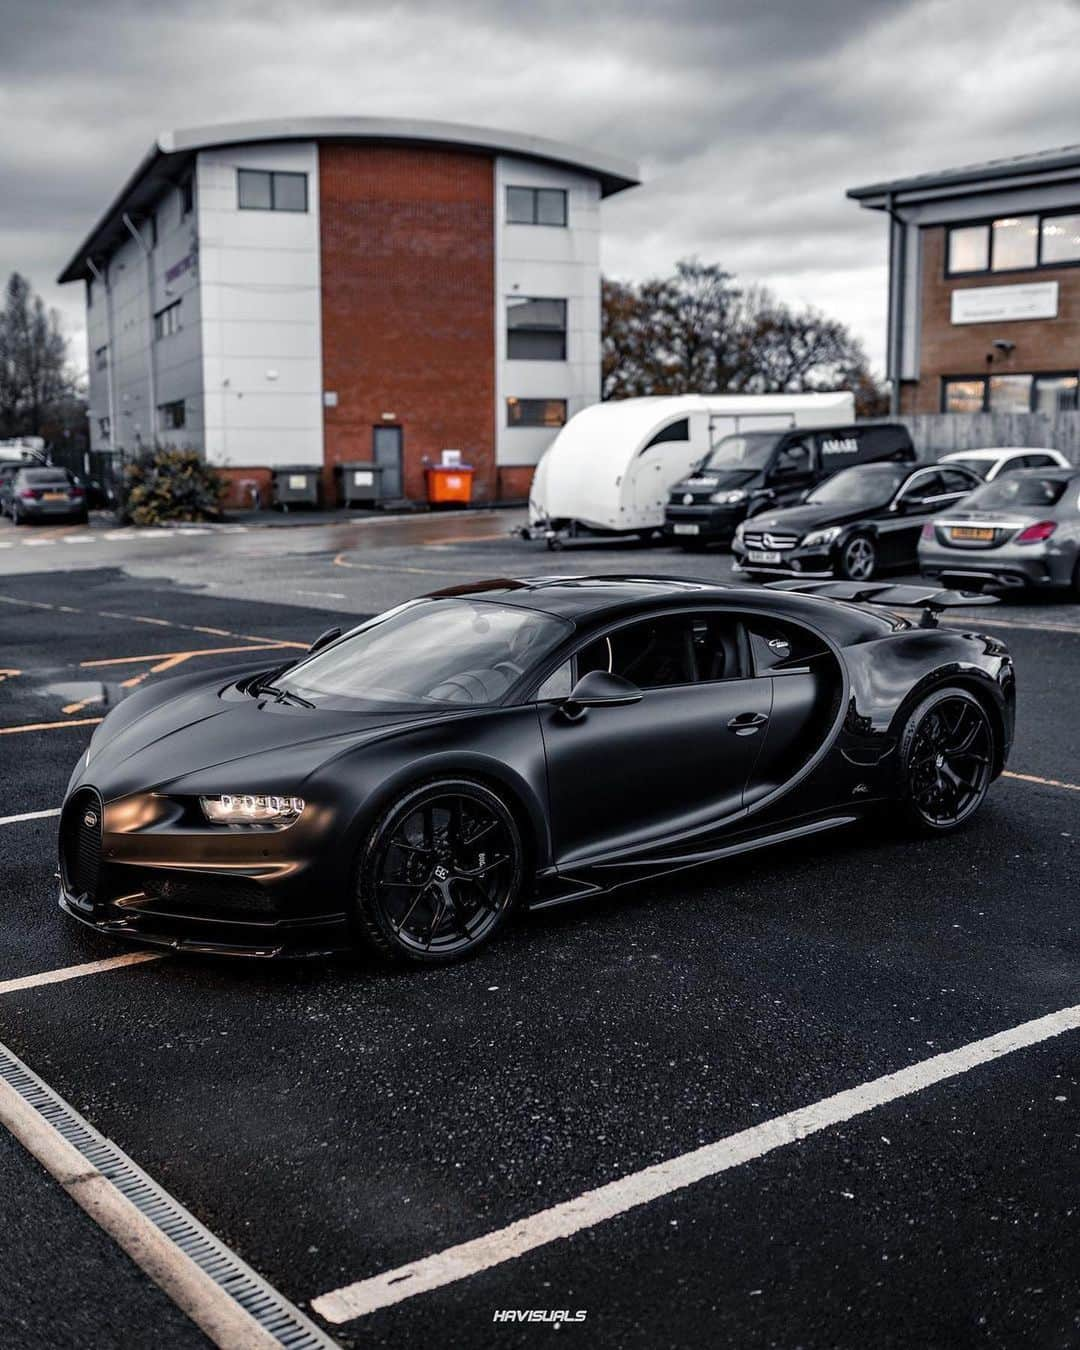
point(858, 559)
point(948, 755)
point(440, 872)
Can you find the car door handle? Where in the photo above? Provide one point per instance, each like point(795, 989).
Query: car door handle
point(747, 723)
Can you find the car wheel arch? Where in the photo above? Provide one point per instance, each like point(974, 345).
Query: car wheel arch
point(515, 792)
point(973, 682)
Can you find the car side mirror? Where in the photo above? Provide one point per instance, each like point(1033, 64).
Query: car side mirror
point(324, 640)
point(599, 689)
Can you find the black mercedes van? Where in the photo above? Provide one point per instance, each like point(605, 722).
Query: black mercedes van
point(753, 471)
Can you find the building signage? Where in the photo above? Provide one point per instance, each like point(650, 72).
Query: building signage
point(178, 269)
point(999, 304)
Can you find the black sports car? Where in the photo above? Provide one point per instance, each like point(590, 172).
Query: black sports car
point(534, 741)
point(862, 521)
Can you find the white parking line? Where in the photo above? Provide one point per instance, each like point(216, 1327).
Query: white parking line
point(30, 815)
point(652, 1183)
point(77, 972)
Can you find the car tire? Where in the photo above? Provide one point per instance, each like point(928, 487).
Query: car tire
point(427, 889)
point(856, 559)
point(1076, 580)
point(17, 517)
point(947, 751)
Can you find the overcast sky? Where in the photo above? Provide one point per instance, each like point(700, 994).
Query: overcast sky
point(748, 118)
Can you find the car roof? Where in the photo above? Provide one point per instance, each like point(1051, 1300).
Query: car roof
point(586, 600)
point(1000, 452)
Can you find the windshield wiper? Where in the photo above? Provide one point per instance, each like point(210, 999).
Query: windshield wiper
point(285, 695)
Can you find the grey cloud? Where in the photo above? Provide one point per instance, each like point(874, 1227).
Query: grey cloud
point(749, 119)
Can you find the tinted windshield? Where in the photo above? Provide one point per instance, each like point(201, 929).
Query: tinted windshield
point(979, 466)
point(433, 652)
point(1018, 489)
point(864, 485)
point(741, 452)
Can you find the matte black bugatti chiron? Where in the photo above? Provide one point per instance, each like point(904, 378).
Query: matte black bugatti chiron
point(529, 741)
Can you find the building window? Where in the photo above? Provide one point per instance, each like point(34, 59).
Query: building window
point(171, 416)
point(535, 329)
point(1013, 244)
point(187, 196)
point(167, 320)
point(1060, 239)
point(1011, 393)
point(1055, 393)
point(266, 190)
point(535, 412)
point(101, 358)
point(535, 206)
point(969, 249)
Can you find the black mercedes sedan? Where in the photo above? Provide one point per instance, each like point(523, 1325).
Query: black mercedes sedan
point(863, 521)
point(526, 743)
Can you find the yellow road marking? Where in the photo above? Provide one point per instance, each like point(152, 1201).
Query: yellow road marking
point(1043, 782)
point(173, 657)
point(341, 561)
point(142, 618)
point(51, 726)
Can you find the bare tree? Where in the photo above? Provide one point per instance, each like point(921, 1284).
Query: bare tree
point(697, 332)
point(34, 373)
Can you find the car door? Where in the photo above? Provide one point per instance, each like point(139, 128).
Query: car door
point(899, 527)
point(677, 762)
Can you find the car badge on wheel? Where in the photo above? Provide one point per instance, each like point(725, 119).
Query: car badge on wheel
point(688, 499)
point(89, 820)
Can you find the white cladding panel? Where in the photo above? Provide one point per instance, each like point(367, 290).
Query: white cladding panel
point(262, 317)
point(550, 262)
point(139, 288)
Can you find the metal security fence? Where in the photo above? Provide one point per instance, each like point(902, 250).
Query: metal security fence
point(936, 434)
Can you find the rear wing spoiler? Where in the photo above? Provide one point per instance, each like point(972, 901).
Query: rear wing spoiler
point(930, 599)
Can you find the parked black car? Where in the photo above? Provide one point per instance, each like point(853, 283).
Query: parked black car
point(43, 493)
point(525, 742)
point(759, 470)
point(861, 522)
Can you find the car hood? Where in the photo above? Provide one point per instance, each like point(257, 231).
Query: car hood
point(719, 480)
point(209, 737)
point(801, 520)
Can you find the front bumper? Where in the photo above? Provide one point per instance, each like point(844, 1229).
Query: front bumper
point(794, 562)
point(135, 869)
point(707, 522)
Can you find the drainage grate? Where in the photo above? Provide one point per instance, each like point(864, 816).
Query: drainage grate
point(274, 1314)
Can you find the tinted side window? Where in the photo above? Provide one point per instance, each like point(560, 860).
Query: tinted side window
point(926, 485)
point(675, 649)
point(793, 460)
point(956, 482)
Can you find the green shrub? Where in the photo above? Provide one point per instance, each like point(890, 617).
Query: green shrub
point(166, 485)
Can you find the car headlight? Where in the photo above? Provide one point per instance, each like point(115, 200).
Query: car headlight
point(819, 537)
point(251, 809)
point(732, 498)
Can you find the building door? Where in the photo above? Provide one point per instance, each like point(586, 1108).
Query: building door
point(387, 447)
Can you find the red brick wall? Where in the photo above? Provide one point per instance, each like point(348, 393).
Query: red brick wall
point(1045, 345)
point(239, 484)
point(515, 481)
point(408, 304)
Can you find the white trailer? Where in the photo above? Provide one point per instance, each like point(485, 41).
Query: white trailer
point(609, 470)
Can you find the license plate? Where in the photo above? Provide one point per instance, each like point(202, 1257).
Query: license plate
point(687, 529)
point(970, 532)
point(54, 496)
point(762, 555)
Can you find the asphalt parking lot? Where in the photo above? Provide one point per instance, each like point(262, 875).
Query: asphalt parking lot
point(333, 1121)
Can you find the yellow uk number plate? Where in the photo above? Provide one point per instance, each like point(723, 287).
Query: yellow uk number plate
point(54, 496)
point(970, 532)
